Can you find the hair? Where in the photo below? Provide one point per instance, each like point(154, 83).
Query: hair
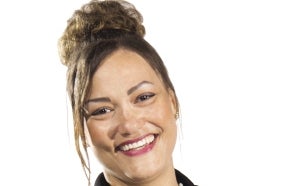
point(93, 33)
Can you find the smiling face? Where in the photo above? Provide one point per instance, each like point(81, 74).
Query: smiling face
point(131, 125)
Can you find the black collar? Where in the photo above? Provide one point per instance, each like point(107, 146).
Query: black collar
point(181, 178)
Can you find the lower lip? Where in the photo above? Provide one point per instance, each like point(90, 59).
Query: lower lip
point(141, 151)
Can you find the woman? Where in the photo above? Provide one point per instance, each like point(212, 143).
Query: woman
point(124, 104)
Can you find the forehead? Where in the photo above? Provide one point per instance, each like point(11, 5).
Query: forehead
point(121, 61)
point(124, 67)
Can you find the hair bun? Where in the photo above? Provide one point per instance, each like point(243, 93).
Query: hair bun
point(93, 21)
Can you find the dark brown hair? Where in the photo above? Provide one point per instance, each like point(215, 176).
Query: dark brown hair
point(93, 33)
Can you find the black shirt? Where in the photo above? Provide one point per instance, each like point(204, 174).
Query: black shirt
point(101, 181)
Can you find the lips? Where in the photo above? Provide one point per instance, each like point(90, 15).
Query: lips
point(137, 146)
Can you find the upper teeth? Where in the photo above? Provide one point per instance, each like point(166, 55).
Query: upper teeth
point(137, 144)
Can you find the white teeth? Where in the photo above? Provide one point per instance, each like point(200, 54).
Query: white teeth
point(137, 144)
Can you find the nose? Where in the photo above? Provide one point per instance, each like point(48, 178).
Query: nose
point(130, 121)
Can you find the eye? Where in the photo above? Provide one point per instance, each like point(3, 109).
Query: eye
point(144, 97)
point(101, 111)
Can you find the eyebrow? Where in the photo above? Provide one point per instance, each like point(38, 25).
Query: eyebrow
point(134, 88)
point(129, 91)
point(101, 99)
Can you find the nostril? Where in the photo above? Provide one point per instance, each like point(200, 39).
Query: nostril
point(125, 134)
point(129, 127)
point(129, 121)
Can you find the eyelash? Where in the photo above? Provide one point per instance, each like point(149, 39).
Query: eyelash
point(101, 111)
point(144, 97)
point(106, 110)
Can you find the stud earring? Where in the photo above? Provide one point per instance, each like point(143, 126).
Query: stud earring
point(177, 115)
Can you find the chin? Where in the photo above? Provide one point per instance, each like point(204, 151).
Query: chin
point(142, 174)
point(146, 170)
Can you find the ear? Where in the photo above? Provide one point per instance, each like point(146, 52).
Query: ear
point(174, 102)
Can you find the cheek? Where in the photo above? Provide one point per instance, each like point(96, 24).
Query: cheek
point(165, 120)
point(97, 134)
point(162, 113)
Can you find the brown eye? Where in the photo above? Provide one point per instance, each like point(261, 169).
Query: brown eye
point(144, 97)
point(101, 111)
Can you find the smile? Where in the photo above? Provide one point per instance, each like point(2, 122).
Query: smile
point(137, 147)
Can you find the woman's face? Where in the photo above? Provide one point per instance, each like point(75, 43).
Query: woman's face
point(132, 125)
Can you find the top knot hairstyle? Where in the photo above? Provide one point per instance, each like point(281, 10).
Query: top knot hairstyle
point(94, 32)
point(94, 20)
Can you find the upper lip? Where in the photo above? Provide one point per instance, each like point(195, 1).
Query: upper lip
point(132, 141)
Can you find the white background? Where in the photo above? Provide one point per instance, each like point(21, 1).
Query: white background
point(234, 65)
